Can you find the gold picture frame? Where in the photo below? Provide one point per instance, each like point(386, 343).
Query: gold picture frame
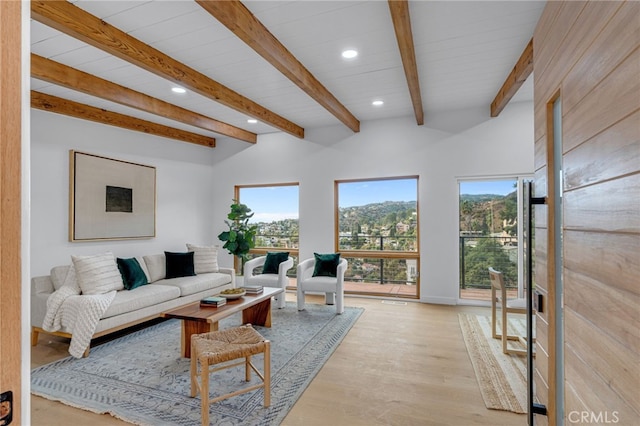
point(110, 199)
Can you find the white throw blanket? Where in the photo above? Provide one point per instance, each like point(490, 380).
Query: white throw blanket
point(79, 314)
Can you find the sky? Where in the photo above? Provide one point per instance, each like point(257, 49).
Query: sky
point(499, 187)
point(271, 203)
point(367, 192)
point(281, 202)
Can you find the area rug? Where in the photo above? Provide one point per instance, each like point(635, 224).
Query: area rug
point(502, 378)
point(141, 378)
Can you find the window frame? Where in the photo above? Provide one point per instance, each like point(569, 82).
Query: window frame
point(294, 252)
point(387, 254)
point(379, 254)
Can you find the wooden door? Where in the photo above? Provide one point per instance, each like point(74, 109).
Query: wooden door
point(587, 55)
point(10, 203)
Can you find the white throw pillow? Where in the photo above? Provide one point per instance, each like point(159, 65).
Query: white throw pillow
point(205, 258)
point(97, 274)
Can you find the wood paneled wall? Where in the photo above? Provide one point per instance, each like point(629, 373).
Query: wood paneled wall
point(10, 204)
point(588, 54)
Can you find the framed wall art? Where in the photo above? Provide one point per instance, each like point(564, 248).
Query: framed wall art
point(110, 199)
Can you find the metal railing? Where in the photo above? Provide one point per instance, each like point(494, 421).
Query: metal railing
point(378, 242)
point(478, 253)
point(382, 271)
point(277, 240)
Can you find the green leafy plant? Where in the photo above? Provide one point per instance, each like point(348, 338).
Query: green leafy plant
point(240, 238)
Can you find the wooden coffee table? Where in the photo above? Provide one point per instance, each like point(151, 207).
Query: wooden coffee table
point(256, 310)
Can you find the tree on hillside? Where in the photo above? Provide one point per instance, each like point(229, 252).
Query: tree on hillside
point(510, 213)
point(466, 212)
point(488, 253)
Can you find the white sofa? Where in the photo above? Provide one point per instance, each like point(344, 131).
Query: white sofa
point(130, 307)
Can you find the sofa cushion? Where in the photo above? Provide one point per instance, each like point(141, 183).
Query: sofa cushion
point(64, 275)
point(205, 258)
point(58, 274)
point(139, 298)
point(132, 274)
point(157, 267)
point(179, 264)
point(197, 283)
point(97, 274)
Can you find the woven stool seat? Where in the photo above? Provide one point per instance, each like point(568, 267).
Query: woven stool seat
point(225, 345)
point(216, 347)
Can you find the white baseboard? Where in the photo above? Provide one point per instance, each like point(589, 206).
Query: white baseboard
point(439, 300)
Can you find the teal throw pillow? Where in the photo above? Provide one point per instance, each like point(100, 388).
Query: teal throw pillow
point(326, 264)
point(273, 261)
point(179, 264)
point(132, 274)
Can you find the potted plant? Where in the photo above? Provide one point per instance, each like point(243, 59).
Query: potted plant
point(240, 238)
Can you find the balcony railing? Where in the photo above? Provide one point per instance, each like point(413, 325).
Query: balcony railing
point(478, 253)
point(378, 242)
point(381, 271)
point(285, 241)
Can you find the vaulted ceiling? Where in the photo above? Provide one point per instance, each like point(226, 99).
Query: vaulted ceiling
point(276, 61)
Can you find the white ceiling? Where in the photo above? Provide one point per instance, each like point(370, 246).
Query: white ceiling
point(464, 52)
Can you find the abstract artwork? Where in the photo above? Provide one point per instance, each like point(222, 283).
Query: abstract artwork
point(110, 199)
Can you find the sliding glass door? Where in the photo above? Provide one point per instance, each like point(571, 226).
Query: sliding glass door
point(490, 235)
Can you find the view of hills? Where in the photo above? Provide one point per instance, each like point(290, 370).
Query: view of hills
point(485, 214)
point(377, 215)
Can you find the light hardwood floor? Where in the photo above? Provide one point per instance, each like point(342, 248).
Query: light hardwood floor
point(401, 364)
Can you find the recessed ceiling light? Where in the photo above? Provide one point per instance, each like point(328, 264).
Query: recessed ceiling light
point(349, 54)
point(178, 90)
point(252, 121)
point(377, 103)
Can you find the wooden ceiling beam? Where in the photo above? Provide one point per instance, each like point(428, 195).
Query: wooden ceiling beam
point(58, 105)
point(518, 75)
point(237, 18)
point(75, 22)
point(402, 25)
point(71, 78)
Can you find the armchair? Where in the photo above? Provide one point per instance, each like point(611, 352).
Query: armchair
point(279, 280)
point(333, 287)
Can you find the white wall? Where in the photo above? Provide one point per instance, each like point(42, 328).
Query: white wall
point(183, 178)
point(477, 146)
point(195, 184)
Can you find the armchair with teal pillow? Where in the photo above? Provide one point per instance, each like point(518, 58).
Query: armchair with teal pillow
point(325, 274)
point(274, 273)
point(326, 265)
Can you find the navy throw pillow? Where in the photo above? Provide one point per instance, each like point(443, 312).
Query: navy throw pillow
point(179, 264)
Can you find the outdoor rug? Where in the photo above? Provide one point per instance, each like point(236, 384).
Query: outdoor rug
point(502, 378)
point(141, 378)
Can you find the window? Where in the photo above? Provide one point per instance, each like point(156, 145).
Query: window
point(377, 231)
point(275, 212)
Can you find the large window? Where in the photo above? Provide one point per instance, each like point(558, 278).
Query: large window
point(275, 212)
point(377, 232)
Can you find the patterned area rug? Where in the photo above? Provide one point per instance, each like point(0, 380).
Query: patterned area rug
point(502, 378)
point(141, 378)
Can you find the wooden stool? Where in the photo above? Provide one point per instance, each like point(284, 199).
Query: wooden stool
point(218, 347)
